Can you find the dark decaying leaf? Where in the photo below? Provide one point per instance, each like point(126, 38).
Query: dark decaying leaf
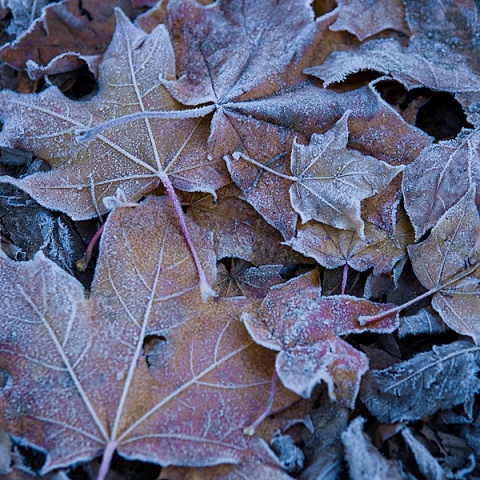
point(305, 328)
point(146, 334)
point(323, 447)
point(426, 462)
point(428, 382)
point(5, 453)
point(241, 279)
point(424, 322)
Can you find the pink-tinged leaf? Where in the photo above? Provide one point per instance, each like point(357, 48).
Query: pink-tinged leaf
point(438, 179)
point(134, 157)
point(334, 248)
point(295, 320)
point(184, 377)
point(366, 18)
point(447, 262)
point(331, 181)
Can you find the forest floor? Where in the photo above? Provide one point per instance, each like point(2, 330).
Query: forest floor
point(239, 239)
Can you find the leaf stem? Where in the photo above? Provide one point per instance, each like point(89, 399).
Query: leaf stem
point(82, 264)
point(90, 133)
point(364, 319)
point(238, 155)
point(107, 459)
point(344, 278)
point(205, 289)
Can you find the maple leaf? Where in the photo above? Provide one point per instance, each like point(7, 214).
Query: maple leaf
point(447, 262)
point(177, 370)
point(295, 320)
point(365, 19)
point(135, 157)
point(333, 248)
point(330, 181)
point(64, 37)
point(238, 230)
point(439, 177)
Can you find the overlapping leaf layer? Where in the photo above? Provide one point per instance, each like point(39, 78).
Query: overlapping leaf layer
point(265, 185)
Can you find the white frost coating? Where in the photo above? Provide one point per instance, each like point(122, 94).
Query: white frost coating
point(119, 200)
point(409, 65)
point(426, 462)
point(365, 462)
point(24, 12)
point(329, 181)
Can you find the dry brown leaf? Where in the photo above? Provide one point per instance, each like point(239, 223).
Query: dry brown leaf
point(333, 248)
point(366, 18)
point(66, 35)
point(238, 230)
point(176, 369)
point(447, 262)
point(132, 158)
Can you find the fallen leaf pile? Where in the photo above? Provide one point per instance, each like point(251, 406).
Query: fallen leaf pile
point(287, 280)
